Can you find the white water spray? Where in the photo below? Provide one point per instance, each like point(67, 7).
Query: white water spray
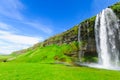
point(107, 39)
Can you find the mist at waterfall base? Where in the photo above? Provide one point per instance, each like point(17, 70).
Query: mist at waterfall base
point(107, 35)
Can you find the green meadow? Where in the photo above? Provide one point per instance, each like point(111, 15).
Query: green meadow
point(46, 63)
point(37, 71)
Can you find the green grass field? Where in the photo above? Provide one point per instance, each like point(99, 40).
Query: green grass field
point(32, 65)
point(37, 71)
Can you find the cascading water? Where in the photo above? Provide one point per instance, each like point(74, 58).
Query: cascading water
point(107, 35)
point(79, 55)
point(107, 38)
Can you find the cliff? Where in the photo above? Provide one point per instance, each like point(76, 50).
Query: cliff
point(68, 42)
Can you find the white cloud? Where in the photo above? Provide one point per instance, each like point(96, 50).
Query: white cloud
point(41, 27)
point(4, 26)
point(10, 41)
point(20, 39)
point(6, 48)
point(11, 9)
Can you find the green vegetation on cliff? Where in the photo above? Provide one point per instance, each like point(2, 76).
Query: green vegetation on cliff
point(65, 37)
point(116, 9)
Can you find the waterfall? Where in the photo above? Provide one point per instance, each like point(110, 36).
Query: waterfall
point(79, 39)
point(107, 34)
point(107, 37)
point(79, 57)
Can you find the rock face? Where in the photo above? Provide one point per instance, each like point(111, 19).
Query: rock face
point(87, 38)
point(65, 37)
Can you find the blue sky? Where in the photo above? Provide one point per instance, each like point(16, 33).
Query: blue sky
point(26, 22)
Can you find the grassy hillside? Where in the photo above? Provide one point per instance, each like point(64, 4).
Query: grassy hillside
point(49, 54)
